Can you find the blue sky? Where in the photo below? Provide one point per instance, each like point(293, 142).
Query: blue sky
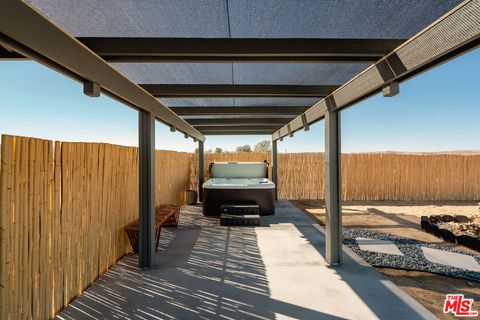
point(436, 111)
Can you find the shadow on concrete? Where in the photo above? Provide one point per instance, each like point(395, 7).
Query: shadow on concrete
point(206, 272)
point(385, 299)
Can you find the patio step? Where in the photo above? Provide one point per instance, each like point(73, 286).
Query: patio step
point(240, 209)
point(239, 219)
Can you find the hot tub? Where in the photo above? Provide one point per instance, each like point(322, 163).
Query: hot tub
point(238, 183)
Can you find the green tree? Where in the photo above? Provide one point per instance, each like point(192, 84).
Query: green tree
point(245, 148)
point(263, 146)
point(218, 150)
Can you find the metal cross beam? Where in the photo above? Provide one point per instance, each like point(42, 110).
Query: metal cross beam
point(10, 55)
point(276, 122)
point(250, 110)
point(271, 128)
point(238, 50)
point(237, 90)
point(236, 132)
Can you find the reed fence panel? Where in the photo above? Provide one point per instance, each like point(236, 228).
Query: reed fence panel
point(172, 176)
point(63, 210)
point(63, 205)
point(370, 176)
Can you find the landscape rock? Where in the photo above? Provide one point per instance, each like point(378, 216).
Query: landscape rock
point(448, 236)
point(446, 218)
point(413, 257)
point(461, 219)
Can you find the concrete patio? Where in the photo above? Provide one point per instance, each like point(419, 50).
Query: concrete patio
point(274, 271)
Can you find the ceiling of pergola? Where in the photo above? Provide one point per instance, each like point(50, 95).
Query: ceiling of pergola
point(266, 86)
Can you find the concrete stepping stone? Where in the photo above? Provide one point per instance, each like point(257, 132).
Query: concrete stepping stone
point(452, 259)
point(379, 246)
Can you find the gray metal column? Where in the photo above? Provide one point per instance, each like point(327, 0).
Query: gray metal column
point(333, 180)
point(274, 166)
point(146, 160)
point(201, 166)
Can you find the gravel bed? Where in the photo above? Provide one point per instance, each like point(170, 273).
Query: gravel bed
point(412, 259)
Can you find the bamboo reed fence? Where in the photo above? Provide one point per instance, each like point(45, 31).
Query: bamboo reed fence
point(63, 206)
point(63, 210)
point(172, 176)
point(370, 176)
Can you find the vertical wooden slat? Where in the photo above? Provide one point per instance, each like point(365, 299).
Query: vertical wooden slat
point(15, 236)
point(6, 159)
point(10, 234)
point(23, 207)
point(66, 221)
point(57, 234)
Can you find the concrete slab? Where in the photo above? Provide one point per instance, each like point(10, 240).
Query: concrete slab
point(379, 246)
point(452, 259)
point(273, 271)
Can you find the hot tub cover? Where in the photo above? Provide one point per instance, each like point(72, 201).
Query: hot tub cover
point(238, 183)
point(238, 170)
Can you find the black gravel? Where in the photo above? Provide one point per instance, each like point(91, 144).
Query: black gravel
point(413, 258)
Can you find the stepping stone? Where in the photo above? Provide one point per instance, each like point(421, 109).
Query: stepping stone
point(452, 259)
point(379, 246)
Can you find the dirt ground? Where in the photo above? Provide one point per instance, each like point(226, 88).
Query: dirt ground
point(395, 217)
point(403, 218)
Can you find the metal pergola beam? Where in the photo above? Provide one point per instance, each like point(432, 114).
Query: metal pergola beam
point(10, 55)
point(237, 90)
point(237, 50)
point(455, 33)
point(240, 50)
point(236, 132)
point(250, 110)
point(276, 122)
point(270, 128)
point(43, 41)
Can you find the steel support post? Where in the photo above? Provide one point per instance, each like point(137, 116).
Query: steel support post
point(333, 188)
point(274, 167)
point(201, 166)
point(146, 150)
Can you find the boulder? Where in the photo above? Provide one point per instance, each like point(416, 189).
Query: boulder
point(424, 223)
point(469, 242)
point(434, 218)
point(461, 219)
point(446, 218)
point(447, 235)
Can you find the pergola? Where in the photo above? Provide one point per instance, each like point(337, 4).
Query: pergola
point(225, 67)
